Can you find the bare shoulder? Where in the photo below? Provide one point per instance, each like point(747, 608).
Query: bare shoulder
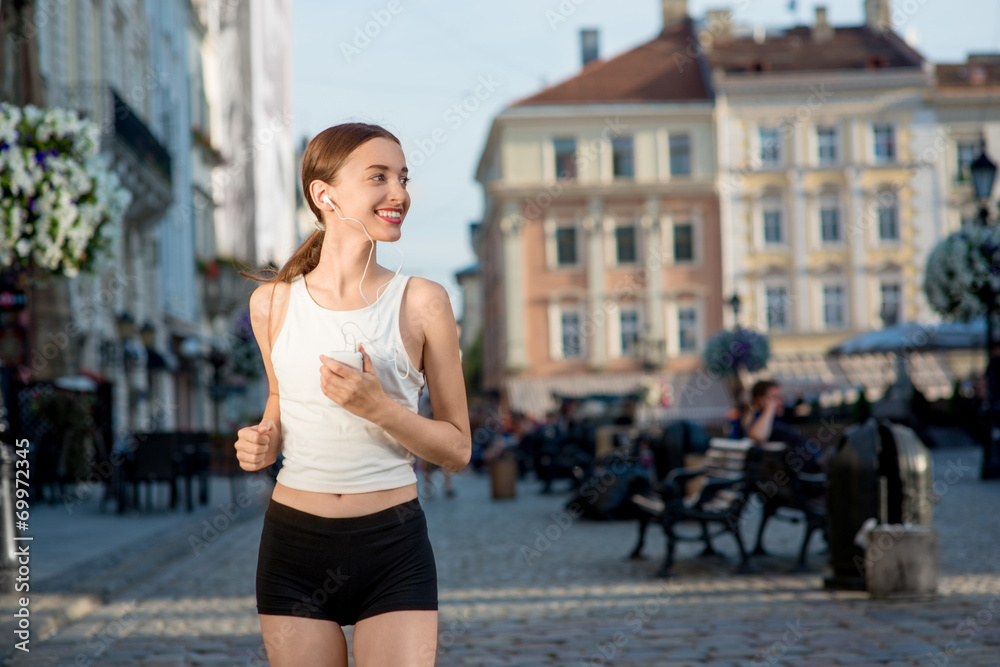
point(268, 304)
point(427, 300)
point(426, 291)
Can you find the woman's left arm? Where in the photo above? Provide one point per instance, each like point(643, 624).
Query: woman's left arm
point(445, 440)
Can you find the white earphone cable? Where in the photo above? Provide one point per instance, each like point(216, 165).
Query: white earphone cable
point(378, 313)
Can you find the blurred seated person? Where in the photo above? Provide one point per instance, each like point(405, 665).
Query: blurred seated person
point(736, 417)
point(767, 403)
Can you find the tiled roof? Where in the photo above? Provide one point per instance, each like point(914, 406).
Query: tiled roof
point(980, 71)
point(661, 70)
point(795, 50)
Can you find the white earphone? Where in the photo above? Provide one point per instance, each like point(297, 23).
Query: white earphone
point(378, 313)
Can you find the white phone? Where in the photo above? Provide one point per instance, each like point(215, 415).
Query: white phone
point(352, 359)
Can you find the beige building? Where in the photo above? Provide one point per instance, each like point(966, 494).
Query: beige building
point(837, 177)
point(809, 171)
point(826, 188)
point(966, 110)
point(599, 247)
point(968, 119)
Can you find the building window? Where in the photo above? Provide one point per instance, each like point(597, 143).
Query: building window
point(625, 244)
point(565, 150)
point(566, 246)
point(630, 332)
point(885, 142)
point(680, 155)
point(833, 306)
point(826, 142)
point(966, 154)
point(770, 146)
point(777, 302)
point(772, 226)
point(683, 242)
point(687, 333)
point(888, 218)
point(891, 302)
point(829, 222)
point(622, 159)
point(572, 345)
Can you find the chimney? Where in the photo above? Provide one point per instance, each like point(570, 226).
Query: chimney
point(877, 15)
point(674, 12)
point(822, 31)
point(719, 23)
point(588, 45)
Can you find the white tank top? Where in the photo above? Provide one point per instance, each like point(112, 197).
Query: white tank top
point(325, 447)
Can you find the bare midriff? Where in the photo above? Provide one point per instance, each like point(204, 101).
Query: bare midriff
point(336, 505)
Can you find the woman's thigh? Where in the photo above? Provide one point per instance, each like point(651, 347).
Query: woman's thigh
point(292, 641)
point(396, 639)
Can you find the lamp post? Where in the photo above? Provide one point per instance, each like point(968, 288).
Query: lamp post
point(148, 335)
point(984, 171)
point(734, 303)
point(888, 314)
point(126, 328)
point(217, 358)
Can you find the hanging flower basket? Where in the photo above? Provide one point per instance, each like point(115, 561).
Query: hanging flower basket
point(60, 202)
point(962, 271)
point(728, 351)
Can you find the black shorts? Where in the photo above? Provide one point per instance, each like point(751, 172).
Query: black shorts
point(345, 569)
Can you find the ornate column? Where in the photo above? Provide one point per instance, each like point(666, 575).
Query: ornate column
point(595, 322)
point(859, 218)
point(796, 226)
point(513, 290)
point(653, 264)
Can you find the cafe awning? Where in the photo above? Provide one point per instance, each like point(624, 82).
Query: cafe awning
point(694, 395)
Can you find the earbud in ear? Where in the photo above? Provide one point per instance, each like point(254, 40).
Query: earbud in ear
point(326, 198)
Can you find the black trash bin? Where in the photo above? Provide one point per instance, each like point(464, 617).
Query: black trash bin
point(880, 470)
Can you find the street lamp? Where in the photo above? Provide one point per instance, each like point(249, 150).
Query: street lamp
point(984, 172)
point(217, 357)
point(126, 328)
point(126, 325)
point(734, 303)
point(148, 335)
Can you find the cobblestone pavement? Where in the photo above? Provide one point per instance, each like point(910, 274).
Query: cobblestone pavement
point(523, 583)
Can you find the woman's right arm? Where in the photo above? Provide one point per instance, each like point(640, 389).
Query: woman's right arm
point(258, 446)
point(760, 430)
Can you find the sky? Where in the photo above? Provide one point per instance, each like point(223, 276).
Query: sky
point(421, 59)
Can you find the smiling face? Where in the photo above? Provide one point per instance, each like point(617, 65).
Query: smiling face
point(371, 186)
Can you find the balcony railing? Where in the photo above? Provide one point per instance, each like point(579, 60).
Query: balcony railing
point(133, 132)
point(102, 104)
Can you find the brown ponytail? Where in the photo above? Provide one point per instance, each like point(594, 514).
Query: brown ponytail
point(322, 160)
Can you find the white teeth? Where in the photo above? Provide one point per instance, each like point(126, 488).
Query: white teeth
point(389, 214)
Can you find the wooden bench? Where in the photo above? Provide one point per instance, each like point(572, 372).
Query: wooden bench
point(720, 493)
point(787, 493)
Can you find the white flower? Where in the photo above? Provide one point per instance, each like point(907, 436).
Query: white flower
point(60, 202)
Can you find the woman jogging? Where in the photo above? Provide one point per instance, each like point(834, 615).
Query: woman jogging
point(344, 539)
